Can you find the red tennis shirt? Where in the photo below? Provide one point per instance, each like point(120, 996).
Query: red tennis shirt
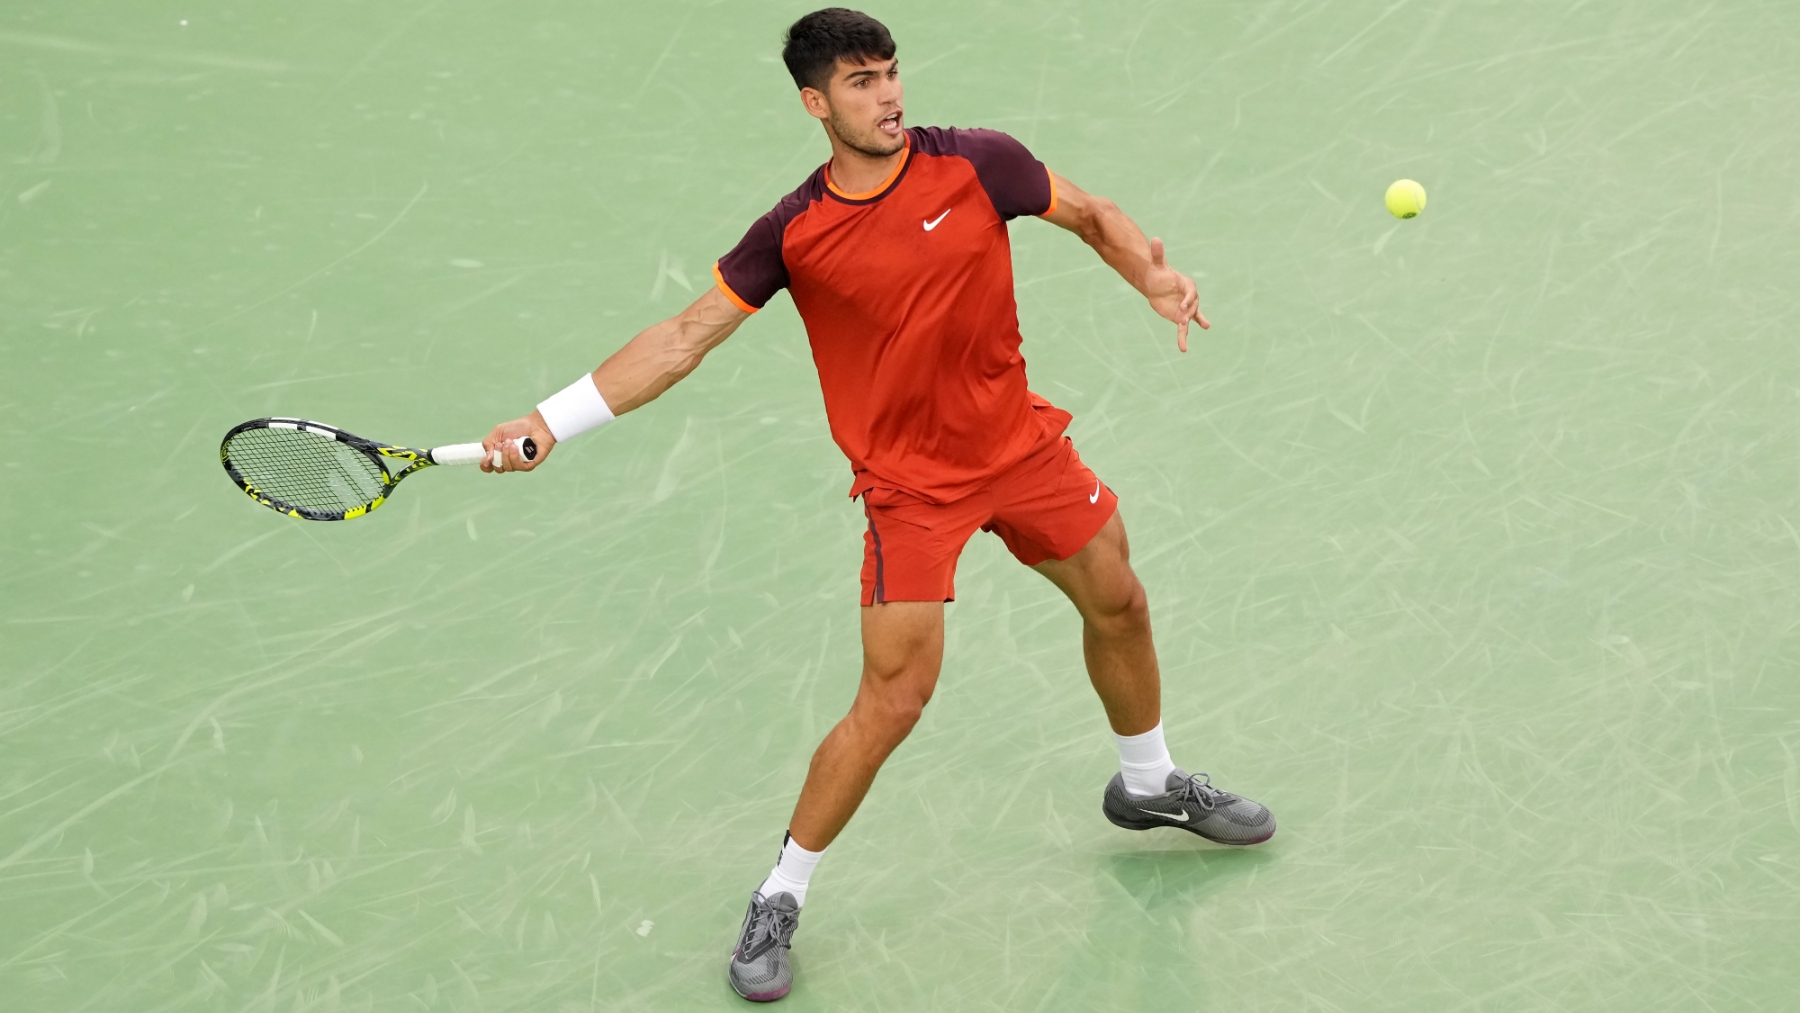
point(907, 296)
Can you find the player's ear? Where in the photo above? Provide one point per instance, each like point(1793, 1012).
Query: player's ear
point(816, 103)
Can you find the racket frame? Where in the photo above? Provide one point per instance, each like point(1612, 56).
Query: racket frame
point(418, 460)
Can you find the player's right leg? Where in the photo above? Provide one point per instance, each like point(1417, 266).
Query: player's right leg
point(903, 648)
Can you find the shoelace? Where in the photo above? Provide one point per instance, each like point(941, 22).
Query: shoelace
point(769, 926)
point(1198, 789)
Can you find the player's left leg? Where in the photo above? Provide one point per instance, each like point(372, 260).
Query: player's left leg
point(1149, 790)
point(1115, 628)
point(1057, 517)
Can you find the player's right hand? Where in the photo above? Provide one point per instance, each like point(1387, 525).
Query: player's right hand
point(503, 436)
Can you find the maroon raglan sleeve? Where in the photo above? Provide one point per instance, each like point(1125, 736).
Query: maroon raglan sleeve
point(1017, 183)
point(753, 271)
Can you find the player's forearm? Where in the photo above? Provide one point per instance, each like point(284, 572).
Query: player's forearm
point(648, 365)
point(661, 355)
point(1118, 241)
point(634, 376)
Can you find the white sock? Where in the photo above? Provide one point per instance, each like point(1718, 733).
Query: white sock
point(792, 870)
point(1144, 762)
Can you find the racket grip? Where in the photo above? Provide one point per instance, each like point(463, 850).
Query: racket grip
point(471, 453)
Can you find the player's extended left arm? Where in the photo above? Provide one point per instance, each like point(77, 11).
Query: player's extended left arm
point(632, 377)
point(1119, 242)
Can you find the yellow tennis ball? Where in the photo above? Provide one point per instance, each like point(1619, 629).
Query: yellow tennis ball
point(1406, 199)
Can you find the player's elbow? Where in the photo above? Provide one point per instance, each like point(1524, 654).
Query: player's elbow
point(1094, 215)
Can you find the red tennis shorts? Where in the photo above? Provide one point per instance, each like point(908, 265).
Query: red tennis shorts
point(1047, 506)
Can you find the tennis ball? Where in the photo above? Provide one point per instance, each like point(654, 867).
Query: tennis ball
point(1406, 199)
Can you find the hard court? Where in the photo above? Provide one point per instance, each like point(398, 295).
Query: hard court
point(1471, 540)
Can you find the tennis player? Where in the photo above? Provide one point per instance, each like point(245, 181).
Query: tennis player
point(896, 254)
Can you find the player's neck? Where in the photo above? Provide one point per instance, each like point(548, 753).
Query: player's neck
point(854, 172)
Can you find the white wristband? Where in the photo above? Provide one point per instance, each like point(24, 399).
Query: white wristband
point(575, 409)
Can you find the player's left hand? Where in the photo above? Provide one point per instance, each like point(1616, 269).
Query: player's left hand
point(503, 436)
point(1172, 294)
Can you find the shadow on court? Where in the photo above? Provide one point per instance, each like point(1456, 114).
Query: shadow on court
point(1181, 874)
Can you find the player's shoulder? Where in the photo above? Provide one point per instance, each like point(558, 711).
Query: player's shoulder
point(809, 192)
point(1015, 181)
point(772, 224)
point(965, 141)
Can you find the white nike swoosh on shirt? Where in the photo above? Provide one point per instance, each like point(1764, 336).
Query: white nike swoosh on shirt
point(1095, 498)
point(934, 222)
point(1179, 817)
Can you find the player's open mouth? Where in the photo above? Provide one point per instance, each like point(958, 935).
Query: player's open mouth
point(890, 124)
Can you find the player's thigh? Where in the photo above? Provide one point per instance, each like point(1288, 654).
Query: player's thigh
point(911, 546)
point(903, 641)
point(1051, 506)
point(1098, 579)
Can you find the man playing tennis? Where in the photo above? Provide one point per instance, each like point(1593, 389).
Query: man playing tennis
point(896, 254)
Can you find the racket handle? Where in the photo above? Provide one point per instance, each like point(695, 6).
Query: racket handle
point(472, 453)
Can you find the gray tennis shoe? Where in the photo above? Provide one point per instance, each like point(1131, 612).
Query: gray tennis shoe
point(759, 968)
point(1190, 804)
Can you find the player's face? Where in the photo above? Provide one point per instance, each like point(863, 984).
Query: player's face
point(862, 105)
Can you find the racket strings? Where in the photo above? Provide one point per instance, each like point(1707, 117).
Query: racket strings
point(312, 471)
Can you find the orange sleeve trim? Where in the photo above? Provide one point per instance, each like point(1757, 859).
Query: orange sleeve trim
point(729, 294)
point(1052, 208)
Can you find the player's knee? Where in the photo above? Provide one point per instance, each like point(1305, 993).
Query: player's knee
point(889, 712)
point(894, 698)
point(1123, 613)
point(901, 711)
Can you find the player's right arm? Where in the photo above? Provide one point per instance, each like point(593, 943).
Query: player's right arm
point(636, 374)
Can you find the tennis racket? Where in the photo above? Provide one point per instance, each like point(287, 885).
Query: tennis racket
point(320, 473)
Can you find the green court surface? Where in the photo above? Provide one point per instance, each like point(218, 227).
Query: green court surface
point(1472, 540)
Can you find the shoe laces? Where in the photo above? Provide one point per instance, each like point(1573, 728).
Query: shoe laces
point(769, 926)
point(1198, 789)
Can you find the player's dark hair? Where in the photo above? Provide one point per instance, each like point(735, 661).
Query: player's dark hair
point(814, 44)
